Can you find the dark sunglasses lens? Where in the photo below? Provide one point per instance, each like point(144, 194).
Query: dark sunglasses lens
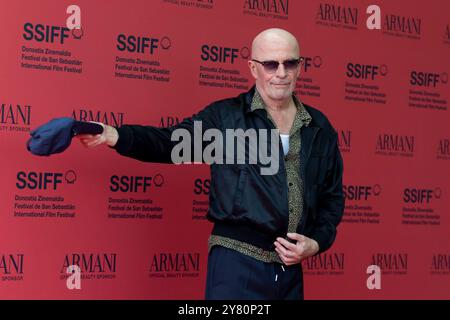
point(291, 64)
point(271, 66)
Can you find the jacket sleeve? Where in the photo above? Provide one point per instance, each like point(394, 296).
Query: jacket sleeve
point(331, 201)
point(152, 144)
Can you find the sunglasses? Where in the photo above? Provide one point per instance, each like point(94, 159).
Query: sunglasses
point(271, 66)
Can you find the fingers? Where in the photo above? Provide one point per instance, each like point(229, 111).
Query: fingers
point(283, 251)
point(288, 262)
point(109, 136)
point(95, 142)
point(286, 244)
point(296, 236)
point(305, 246)
point(84, 136)
point(289, 252)
point(288, 257)
point(91, 141)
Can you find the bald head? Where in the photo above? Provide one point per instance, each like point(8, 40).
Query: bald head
point(272, 41)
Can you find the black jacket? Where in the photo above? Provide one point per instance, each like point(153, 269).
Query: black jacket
point(243, 204)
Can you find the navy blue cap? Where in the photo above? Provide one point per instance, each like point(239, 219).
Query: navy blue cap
point(56, 135)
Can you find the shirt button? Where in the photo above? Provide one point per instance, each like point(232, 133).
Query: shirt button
point(290, 184)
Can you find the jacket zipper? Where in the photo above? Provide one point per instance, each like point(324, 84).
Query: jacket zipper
point(272, 126)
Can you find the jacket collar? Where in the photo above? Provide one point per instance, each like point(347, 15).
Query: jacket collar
point(254, 101)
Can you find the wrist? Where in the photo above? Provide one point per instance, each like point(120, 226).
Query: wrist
point(112, 136)
point(315, 246)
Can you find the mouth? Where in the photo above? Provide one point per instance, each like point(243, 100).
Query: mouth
point(280, 84)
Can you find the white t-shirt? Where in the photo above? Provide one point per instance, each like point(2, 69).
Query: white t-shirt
point(285, 142)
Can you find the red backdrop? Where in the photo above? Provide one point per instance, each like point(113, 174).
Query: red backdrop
point(137, 230)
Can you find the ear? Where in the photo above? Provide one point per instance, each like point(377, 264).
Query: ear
point(252, 68)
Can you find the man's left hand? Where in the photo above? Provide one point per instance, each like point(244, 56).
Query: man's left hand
point(293, 253)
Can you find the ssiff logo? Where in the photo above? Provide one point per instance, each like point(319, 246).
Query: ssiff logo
point(53, 34)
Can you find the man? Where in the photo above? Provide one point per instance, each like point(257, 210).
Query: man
point(264, 225)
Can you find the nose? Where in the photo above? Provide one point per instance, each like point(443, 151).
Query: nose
point(281, 71)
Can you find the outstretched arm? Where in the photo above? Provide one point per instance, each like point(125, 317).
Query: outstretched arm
point(148, 143)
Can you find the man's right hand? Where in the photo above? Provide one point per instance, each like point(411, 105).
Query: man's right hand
point(109, 137)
